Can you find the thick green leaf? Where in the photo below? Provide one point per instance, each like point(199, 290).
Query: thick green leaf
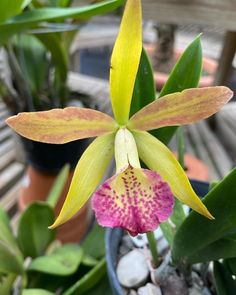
point(33, 233)
point(34, 17)
point(89, 260)
point(64, 261)
point(103, 288)
point(94, 244)
point(6, 283)
point(52, 43)
point(197, 232)
point(31, 55)
point(144, 88)
point(11, 260)
point(231, 263)
point(225, 284)
point(222, 248)
point(88, 281)
point(186, 74)
point(10, 8)
point(36, 292)
point(6, 230)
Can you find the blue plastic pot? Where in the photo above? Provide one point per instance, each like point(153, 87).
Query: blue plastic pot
point(113, 239)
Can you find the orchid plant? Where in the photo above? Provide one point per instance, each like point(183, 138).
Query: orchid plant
point(135, 199)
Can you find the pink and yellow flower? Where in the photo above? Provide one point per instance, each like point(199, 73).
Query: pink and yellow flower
point(134, 198)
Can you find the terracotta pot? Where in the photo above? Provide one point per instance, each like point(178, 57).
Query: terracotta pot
point(195, 168)
point(36, 186)
point(209, 66)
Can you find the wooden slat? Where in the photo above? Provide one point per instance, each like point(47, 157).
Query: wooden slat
point(5, 133)
point(9, 200)
point(4, 114)
point(218, 154)
point(98, 89)
point(203, 12)
point(6, 146)
point(2, 106)
point(226, 128)
point(201, 151)
point(6, 159)
point(9, 176)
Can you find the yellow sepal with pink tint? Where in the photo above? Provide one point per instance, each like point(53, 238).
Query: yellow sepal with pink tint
point(181, 108)
point(160, 159)
point(62, 125)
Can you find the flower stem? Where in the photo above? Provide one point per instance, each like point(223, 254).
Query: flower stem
point(153, 248)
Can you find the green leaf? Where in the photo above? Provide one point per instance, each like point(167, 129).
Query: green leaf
point(103, 288)
point(11, 7)
point(11, 260)
point(36, 292)
point(33, 233)
point(197, 232)
point(5, 226)
point(225, 284)
point(30, 19)
point(231, 263)
point(144, 88)
point(58, 186)
point(64, 261)
point(169, 228)
point(94, 244)
point(222, 248)
point(89, 280)
point(59, 58)
point(185, 74)
point(31, 55)
point(89, 260)
point(6, 283)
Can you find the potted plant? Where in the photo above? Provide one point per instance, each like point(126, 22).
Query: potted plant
point(43, 43)
point(33, 262)
point(135, 199)
point(206, 265)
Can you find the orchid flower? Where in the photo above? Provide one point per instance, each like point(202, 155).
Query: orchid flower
point(135, 199)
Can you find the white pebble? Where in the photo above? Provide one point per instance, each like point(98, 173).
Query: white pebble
point(132, 269)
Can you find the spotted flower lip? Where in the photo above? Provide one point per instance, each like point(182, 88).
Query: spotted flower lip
point(134, 198)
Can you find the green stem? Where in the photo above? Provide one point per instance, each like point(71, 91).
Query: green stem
point(153, 248)
point(181, 146)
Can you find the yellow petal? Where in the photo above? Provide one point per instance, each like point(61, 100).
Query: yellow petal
point(160, 159)
point(125, 60)
point(62, 125)
point(88, 174)
point(181, 108)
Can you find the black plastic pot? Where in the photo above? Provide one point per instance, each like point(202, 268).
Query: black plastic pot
point(113, 239)
point(52, 157)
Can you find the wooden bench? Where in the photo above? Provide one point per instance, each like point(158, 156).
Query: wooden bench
point(11, 171)
point(226, 128)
